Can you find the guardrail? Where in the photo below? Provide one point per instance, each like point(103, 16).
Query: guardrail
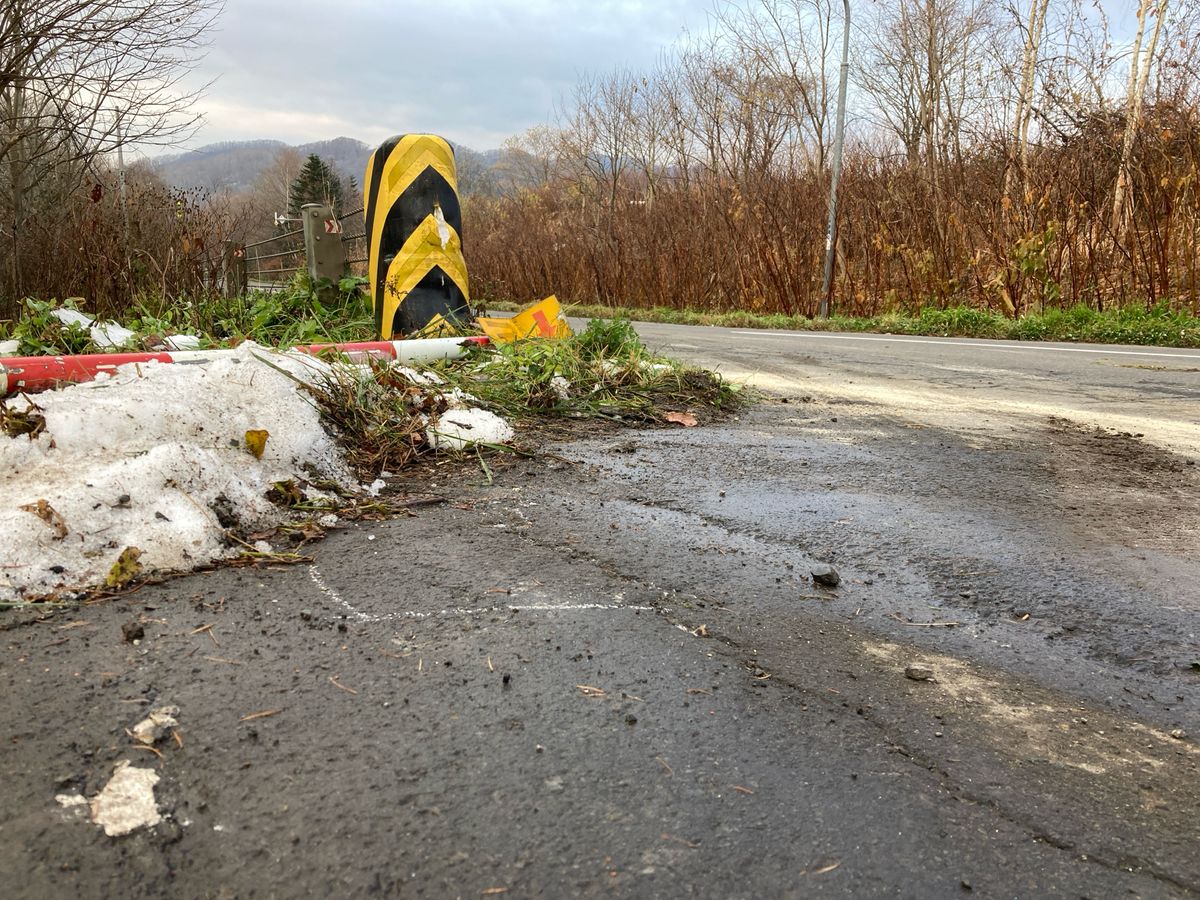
point(266, 264)
point(320, 247)
point(356, 243)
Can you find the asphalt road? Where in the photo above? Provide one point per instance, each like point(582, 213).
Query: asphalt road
point(607, 671)
point(1050, 463)
point(1151, 390)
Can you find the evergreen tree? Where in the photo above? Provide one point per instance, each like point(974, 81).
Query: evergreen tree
point(316, 183)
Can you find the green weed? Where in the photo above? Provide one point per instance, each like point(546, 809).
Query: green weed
point(39, 332)
point(296, 315)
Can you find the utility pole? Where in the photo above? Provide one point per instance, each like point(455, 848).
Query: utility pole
point(838, 136)
point(123, 191)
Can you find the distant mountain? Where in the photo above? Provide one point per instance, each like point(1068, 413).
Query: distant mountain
point(345, 154)
point(234, 165)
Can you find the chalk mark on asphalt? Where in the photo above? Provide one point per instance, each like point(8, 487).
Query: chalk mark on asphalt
point(318, 579)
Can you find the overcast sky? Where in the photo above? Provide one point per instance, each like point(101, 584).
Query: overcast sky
point(474, 71)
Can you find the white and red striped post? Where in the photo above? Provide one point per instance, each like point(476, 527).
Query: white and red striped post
point(40, 373)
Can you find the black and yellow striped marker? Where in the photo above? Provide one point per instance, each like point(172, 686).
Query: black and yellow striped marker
point(414, 226)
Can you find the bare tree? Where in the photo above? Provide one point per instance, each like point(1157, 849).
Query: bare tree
point(81, 78)
point(650, 147)
point(922, 64)
point(271, 193)
point(530, 159)
point(740, 111)
point(1177, 69)
point(601, 131)
point(1024, 101)
point(792, 42)
point(677, 134)
point(1077, 65)
point(1140, 63)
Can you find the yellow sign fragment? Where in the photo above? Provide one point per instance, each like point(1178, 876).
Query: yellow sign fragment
point(544, 320)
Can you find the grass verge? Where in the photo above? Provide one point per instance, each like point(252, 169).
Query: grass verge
point(1155, 326)
point(282, 318)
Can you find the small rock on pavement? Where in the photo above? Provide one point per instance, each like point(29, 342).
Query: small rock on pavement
point(132, 631)
point(155, 726)
point(1179, 734)
point(917, 672)
point(825, 575)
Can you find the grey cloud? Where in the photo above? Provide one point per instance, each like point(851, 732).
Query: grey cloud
point(471, 70)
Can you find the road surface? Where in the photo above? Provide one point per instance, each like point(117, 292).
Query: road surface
point(607, 672)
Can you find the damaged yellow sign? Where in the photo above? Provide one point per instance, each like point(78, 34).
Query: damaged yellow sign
point(544, 319)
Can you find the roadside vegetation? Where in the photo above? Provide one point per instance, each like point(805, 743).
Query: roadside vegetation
point(384, 417)
point(381, 413)
point(604, 372)
point(1158, 325)
point(1014, 158)
point(295, 315)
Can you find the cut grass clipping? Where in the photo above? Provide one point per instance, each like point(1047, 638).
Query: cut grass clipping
point(604, 372)
point(383, 413)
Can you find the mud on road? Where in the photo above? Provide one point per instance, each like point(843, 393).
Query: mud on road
point(607, 672)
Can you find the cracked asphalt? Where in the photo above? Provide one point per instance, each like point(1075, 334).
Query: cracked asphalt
point(607, 672)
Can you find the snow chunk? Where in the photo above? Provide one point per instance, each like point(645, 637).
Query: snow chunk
point(72, 317)
point(127, 801)
point(107, 335)
point(429, 378)
point(459, 399)
point(73, 805)
point(561, 387)
point(182, 342)
point(461, 428)
point(111, 335)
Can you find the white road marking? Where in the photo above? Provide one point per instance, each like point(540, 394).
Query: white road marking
point(1004, 348)
point(455, 611)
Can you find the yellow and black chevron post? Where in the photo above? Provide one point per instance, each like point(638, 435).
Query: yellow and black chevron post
point(414, 225)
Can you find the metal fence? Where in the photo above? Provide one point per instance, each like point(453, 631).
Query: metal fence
point(320, 247)
point(267, 266)
point(355, 244)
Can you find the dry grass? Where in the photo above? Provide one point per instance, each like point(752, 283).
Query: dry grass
point(753, 242)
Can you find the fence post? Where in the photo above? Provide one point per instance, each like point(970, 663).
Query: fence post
point(236, 279)
point(323, 244)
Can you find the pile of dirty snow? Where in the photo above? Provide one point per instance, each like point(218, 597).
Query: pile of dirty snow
point(156, 458)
